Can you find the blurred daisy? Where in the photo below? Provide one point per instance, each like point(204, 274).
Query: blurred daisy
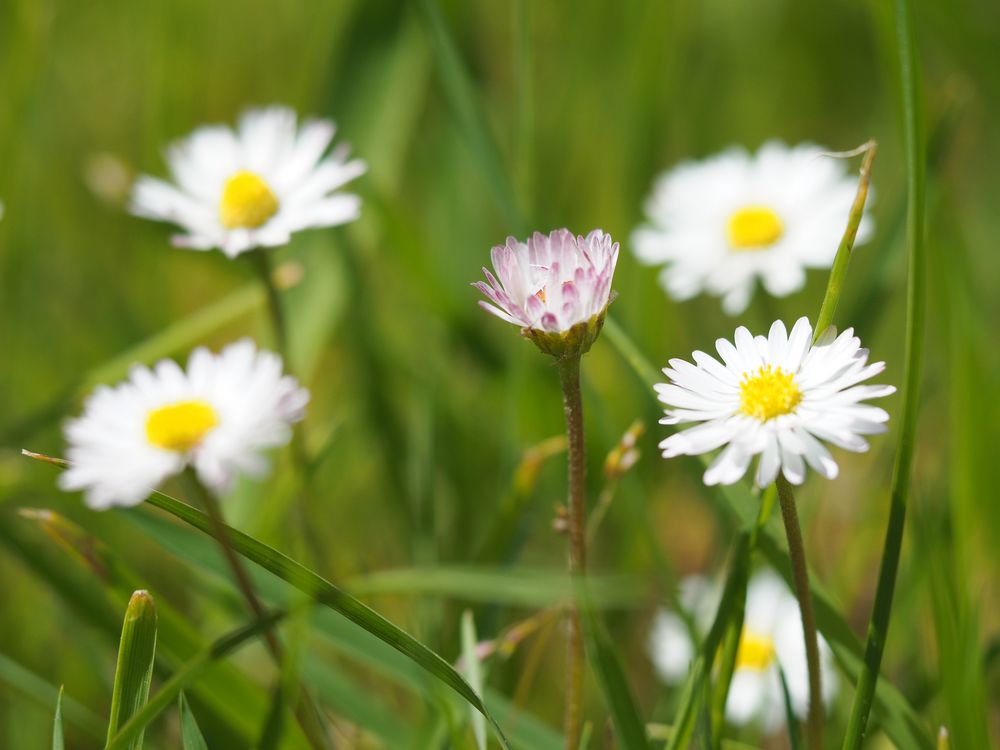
point(771, 641)
point(777, 397)
point(720, 224)
point(553, 286)
point(218, 416)
point(253, 186)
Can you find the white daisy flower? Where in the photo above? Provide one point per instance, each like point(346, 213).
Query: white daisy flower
point(772, 640)
point(721, 223)
point(777, 397)
point(253, 186)
point(552, 286)
point(218, 416)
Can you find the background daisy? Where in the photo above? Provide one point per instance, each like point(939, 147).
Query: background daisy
point(218, 416)
point(771, 641)
point(774, 396)
point(720, 224)
point(253, 186)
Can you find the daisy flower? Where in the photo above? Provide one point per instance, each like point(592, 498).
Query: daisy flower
point(556, 287)
point(720, 224)
point(217, 416)
point(777, 397)
point(771, 644)
point(253, 186)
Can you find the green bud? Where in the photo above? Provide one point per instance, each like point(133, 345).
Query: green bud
point(135, 664)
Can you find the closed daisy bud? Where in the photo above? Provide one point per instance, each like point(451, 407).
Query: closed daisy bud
point(253, 186)
point(721, 224)
point(777, 397)
point(556, 287)
point(218, 416)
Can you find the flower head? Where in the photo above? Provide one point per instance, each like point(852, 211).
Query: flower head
point(776, 396)
point(253, 186)
point(217, 416)
point(771, 644)
point(720, 224)
point(557, 287)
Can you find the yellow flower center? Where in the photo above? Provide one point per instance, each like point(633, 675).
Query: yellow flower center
point(755, 652)
point(181, 426)
point(247, 202)
point(769, 394)
point(753, 228)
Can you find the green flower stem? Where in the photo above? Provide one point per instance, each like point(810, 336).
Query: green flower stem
point(839, 270)
point(878, 628)
point(569, 377)
point(800, 577)
point(207, 501)
point(261, 259)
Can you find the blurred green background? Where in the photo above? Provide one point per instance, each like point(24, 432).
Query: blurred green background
point(424, 406)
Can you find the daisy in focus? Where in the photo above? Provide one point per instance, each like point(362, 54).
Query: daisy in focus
point(771, 644)
point(217, 416)
point(253, 186)
point(720, 224)
point(556, 287)
point(777, 397)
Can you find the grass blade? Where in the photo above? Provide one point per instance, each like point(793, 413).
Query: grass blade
point(915, 166)
point(57, 725)
point(608, 671)
point(191, 737)
point(473, 670)
point(325, 593)
point(135, 664)
point(22, 680)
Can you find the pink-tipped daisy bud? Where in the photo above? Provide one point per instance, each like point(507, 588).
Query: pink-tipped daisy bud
point(557, 287)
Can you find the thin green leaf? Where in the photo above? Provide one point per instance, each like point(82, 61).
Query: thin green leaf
point(610, 676)
point(474, 673)
point(184, 676)
point(136, 652)
point(191, 737)
point(325, 593)
point(57, 724)
point(791, 720)
point(878, 628)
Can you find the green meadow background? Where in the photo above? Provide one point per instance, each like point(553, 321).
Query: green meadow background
point(430, 494)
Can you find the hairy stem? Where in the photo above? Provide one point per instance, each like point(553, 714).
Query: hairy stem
point(569, 377)
point(800, 577)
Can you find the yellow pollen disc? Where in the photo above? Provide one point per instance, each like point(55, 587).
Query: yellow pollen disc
point(181, 426)
point(753, 227)
point(247, 202)
point(755, 652)
point(769, 393)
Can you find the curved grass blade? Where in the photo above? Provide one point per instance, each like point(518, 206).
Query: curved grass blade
point(474, 670)
point(57, 725)
point(325, 593)
point(878, 627)
point(608, 670)
point(191, 737)
point(791, 721)
point(136, 652)
point(219, 649)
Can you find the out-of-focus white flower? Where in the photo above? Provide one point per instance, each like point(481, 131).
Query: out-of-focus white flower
point(253, 186)
point(721, 223)
point(218, 416)
point(772, 640)
point(557, 287)
point(776, 396)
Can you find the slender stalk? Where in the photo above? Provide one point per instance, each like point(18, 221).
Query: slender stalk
point(261, 259)
point(221, 534)
point(839, 270)
point(569, 377)
point(800, 578)
point(878, 628)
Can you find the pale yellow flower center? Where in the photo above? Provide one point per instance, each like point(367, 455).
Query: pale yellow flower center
point(753, 228)
point(180, 426)
point(247, 202)
point(769, 393)
point(755, 652)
